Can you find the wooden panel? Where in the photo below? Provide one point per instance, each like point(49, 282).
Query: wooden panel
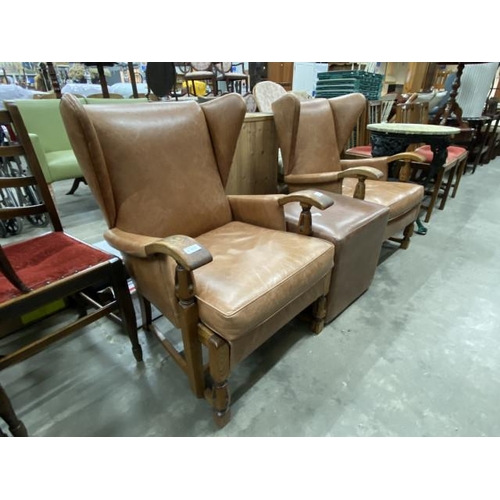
point(415, 76)
point(281, 72)
point(255, 164)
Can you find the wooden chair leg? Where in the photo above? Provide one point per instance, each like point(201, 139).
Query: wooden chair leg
point(189, 320)
point(217, 390)
point(7, 414)
point(127, 312)
point(460, 172)
point(319, 315)
point(447, 187)
point(435, 193)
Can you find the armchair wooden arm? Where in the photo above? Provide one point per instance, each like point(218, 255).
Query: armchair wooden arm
point(307, 198)
point(186, 251)
point(327, 180)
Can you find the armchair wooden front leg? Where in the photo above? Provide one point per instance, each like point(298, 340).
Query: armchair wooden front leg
point(189, 255)
point(217, 393)
point(184, 289)
point(319, 315)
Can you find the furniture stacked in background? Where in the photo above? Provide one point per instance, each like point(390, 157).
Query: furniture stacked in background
point(216, 78)
point(338, 83)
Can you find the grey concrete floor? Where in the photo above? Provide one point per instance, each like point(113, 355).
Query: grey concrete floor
point(416, 355)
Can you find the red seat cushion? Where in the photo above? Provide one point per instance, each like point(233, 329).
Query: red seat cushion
point(48, 258)
point(360, 150)
point(453, 153)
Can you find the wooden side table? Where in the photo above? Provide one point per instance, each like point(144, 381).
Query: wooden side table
point(255, 163)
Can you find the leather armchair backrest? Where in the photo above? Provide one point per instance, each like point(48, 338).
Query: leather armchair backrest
point(154, 167)
point(313, 133)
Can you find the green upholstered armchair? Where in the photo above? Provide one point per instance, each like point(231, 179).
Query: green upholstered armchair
point(40, 120)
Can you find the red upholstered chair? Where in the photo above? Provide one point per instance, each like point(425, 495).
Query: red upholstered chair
point(40, 270)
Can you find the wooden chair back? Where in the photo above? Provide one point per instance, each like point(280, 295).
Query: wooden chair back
point(412, 112)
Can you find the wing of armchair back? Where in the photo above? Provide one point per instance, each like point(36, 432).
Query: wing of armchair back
point(46, 140)
point(221, 268)
point(312, 134)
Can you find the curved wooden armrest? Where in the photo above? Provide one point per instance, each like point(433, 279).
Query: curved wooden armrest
point(184, 250)
point(409, 156)
point(366, 172)
point(308, 197)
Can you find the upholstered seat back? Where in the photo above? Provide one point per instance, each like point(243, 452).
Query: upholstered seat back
point(43, 118)
point(177, 162)
point(313, 140)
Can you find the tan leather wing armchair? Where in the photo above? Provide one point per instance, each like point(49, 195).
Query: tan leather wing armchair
point(312, 134)
point(221, 268)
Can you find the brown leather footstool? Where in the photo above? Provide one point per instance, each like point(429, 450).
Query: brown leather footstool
point(356, 228)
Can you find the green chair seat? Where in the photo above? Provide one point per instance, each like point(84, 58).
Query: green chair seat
point(63, 165)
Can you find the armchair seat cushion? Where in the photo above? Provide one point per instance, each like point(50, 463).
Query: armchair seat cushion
point(255, 273)
point(63, 165)
point(399, 197)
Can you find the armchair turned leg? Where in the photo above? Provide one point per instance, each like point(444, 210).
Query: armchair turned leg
point(407, 234)
point(319, 315)
point(217, 391)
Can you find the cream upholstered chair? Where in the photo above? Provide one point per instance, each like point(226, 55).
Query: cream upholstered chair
point(265, 93)
point(312, 135)
point(221, 268)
